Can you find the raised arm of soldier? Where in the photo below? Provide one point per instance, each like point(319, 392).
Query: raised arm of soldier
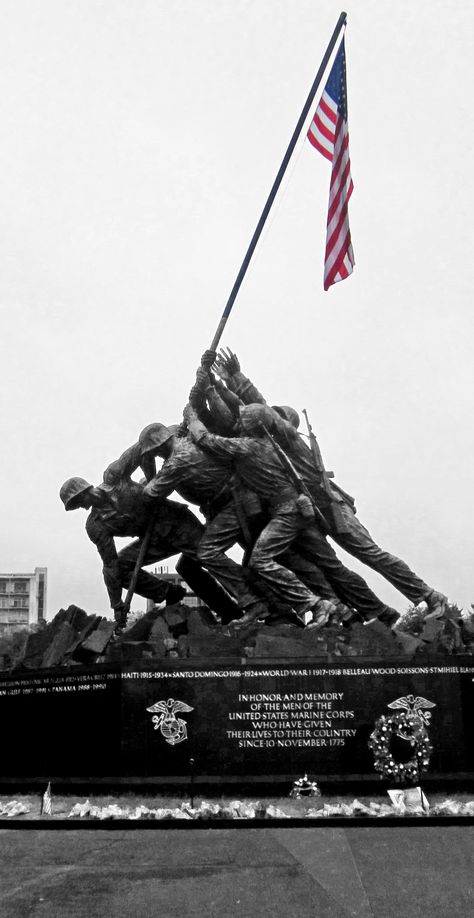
point(226, 447)
point(198, 394)
point(230, 399)
point(130, 460)
point(159, 440)
point(227, 366)
point(209, 399)
point(194, 474)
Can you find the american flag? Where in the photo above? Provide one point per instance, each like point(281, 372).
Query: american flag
point(328, 132)
point(46, 803)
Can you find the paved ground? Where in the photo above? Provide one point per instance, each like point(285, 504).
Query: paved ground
point(216, 873)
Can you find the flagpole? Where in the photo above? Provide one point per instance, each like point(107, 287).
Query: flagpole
point(276, 184)
point(253, 242)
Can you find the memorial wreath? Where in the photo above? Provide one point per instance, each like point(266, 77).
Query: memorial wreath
point(304, 787)
point(408, 727)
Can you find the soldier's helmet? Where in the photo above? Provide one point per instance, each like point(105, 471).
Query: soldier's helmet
point(71, 490)
point(253, 416)
point(288, 414)
point(153, 436)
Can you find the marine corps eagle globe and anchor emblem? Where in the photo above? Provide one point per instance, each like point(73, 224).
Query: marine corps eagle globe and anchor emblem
point(173, 729)
point(417, 706)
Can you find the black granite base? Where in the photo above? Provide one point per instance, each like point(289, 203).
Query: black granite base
point(212, 722)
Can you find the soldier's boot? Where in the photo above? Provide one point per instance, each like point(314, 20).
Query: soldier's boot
point(388, 617)
point(342, 613)
point(305, 611)
point(257, 610)
point(350, 616)
point(284, 617)
point(280, 613)
point(339, 614)
point(120, 616)
point(321, 612)
point(437, 603)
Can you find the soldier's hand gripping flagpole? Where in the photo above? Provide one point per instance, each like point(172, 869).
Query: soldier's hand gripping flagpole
point(271, 197)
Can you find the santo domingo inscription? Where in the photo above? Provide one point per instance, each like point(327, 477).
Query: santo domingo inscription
point(286, 720)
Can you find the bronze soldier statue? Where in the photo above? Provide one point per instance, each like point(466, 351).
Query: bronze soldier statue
point(207, 481)
point(337, 506)
point(289, 523)
point(218, 408)
point(119, 508)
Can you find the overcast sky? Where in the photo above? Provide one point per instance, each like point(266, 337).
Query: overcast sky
point(139, 143)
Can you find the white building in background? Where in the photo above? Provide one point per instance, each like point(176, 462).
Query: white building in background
point(22, 599)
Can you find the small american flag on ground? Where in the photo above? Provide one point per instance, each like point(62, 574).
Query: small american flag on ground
point(46, 803)
point(328, 132)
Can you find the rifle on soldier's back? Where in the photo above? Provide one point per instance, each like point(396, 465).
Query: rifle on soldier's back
point(296, 479)
point(339, 524)
point(318, 459)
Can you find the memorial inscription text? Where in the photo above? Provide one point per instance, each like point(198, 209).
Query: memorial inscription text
point(285, 720)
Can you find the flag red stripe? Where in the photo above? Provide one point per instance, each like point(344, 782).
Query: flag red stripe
point(323, 129)
point(340, 147)
point(341, 191)
point(317, 146)
point(329, 112)
point(329, 280)
point(340, 177)
point(336, 251)
point(333, 238)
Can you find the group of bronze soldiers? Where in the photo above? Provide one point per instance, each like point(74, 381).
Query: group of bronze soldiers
point(260, 484)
